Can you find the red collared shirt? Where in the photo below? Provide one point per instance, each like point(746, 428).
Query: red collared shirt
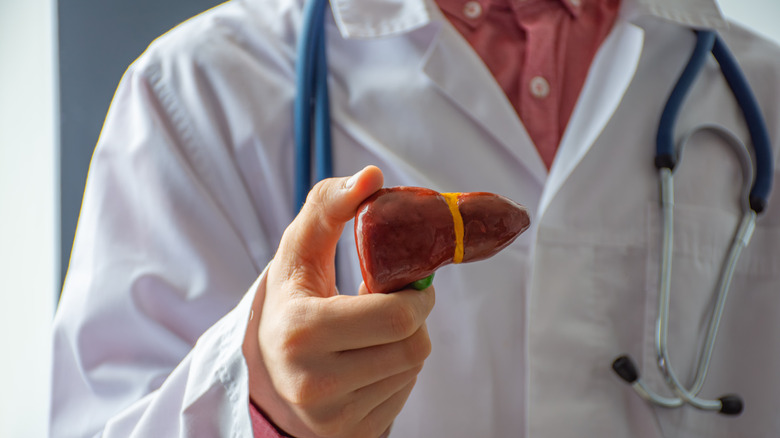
point(539, 51)
point(261, 427)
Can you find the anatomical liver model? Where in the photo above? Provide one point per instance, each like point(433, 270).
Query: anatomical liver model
point(404, 234)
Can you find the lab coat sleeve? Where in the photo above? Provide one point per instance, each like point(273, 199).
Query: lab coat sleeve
point(205, 395)
point(148, 333)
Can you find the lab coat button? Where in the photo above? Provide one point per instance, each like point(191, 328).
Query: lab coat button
point(472, 9)
point(540, 88)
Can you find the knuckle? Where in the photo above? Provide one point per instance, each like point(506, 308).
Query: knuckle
point(315, 197)
point(321, 430)
point(347, 415)
point(419, 348)
point(371, 427)
point(425, 300)
point(319, 205)
point(310, 388)
point(320, 189)
point(288, 391)
point(402, 320)
point(429, 298)
point(328, 429)
point(292, 338)
point(297, 391)
point(326, 426)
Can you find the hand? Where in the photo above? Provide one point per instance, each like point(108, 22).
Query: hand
point(323, 364)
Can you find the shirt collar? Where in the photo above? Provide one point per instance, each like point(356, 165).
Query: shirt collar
point(699, 14)
point(378, 18)
point(461, 8)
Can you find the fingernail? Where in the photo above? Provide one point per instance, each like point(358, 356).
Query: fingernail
point(352, 180)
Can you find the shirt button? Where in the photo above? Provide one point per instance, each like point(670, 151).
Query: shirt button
point(472, 9)
point(540, 88)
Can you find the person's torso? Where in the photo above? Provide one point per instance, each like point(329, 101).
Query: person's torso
point(523, 342)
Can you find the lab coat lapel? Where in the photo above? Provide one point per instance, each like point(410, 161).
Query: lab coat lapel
point(609, 77)
point(460, 74)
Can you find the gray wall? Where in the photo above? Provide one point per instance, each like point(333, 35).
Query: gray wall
point(98, 39)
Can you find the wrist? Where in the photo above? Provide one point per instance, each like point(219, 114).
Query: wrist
point(263, 396)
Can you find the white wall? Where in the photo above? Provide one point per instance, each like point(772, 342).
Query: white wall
point(28, 217)
point(28, 200)
point(760, 15)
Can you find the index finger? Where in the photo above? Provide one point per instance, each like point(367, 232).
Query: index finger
point(350, 322)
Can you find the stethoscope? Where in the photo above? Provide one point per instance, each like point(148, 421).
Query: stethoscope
point(311, 111)
point(754, 203)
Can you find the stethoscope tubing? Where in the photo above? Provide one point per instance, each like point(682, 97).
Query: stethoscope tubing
point(709, 42)
point(666, 155)
point(759, 135)
point(728, 404)
point(665, 160)
point(312, 104)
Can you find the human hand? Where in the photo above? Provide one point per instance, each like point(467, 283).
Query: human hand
point(329, 365)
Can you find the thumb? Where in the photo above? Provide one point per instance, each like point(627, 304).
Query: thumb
point(308, 247)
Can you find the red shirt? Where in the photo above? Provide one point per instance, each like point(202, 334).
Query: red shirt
point(261, 427)
point(539, 51)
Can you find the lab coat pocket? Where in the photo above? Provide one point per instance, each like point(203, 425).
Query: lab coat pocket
point(743, 360)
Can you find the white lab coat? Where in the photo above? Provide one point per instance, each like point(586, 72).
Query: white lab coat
point(191, 185)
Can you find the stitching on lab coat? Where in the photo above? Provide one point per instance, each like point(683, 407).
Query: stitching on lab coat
point(181, 124)
point(193, 152)
point(356, 23)
point(705, 233)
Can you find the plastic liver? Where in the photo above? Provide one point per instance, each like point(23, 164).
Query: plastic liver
point(404, 234)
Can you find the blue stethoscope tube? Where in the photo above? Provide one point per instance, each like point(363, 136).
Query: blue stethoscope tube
point(311, 101)
point(709, 42)
point(311, 110)
point(665, 160)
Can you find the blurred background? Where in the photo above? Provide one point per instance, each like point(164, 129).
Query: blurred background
point(60, 62)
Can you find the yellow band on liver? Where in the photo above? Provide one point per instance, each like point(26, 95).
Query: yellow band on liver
point(457, 220)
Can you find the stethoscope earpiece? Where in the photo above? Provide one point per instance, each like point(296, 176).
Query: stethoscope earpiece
point(626, 369)
point(731, 404)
